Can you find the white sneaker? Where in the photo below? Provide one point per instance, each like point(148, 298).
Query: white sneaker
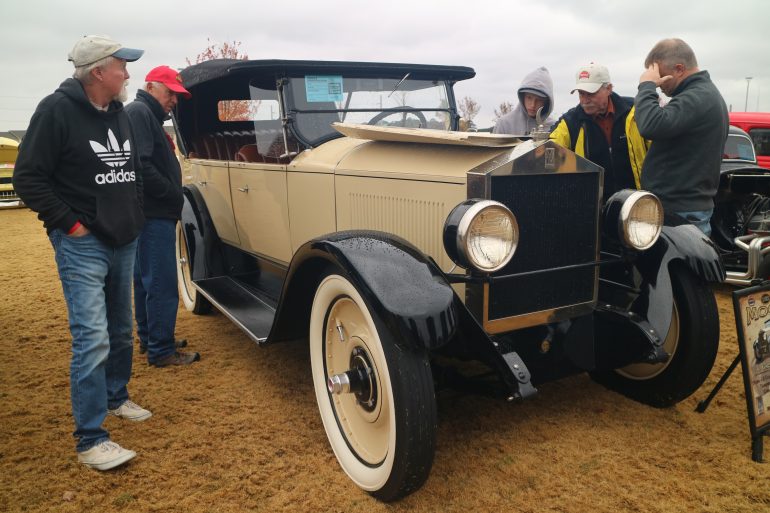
point(131, 411)
point(105, 456)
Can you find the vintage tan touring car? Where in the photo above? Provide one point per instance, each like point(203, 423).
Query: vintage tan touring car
point(332, 202)
point(9, 149)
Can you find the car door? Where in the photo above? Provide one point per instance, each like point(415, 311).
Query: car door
point(260, 204)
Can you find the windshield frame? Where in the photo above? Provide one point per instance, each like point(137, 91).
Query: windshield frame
point(288, 90)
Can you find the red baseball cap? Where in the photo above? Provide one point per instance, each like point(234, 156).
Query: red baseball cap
point(169, 78)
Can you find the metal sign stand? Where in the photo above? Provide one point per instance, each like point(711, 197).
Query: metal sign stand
point(702, 405)
point(752, 321)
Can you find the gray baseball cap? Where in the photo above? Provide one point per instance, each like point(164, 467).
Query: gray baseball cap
point(94, 48)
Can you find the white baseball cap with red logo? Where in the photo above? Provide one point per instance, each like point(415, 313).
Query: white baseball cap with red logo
point(591, 78)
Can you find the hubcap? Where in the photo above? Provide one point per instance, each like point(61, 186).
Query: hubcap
point(359, 380)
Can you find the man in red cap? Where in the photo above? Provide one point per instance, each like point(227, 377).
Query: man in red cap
point(156, 297)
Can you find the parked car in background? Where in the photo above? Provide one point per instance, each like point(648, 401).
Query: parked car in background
point(9, 149)
point(757, 125)
point(740, 226)
point(334, 203)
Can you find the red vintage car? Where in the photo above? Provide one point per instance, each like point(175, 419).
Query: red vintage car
point(757, 125)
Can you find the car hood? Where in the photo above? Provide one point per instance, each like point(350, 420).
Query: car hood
point(748, 167)
point(404, 153)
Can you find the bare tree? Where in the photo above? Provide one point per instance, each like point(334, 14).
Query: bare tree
point(505, 108)
point(468, 110)
point(219, 51)
point(234, 110)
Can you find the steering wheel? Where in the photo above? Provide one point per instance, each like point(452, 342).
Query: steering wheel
point(382, 115)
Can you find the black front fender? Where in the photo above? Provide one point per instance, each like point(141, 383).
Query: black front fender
point(685, 244)
point(405, 291)
point(635, 305)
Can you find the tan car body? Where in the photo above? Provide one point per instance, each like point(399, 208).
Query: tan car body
point(345, 184)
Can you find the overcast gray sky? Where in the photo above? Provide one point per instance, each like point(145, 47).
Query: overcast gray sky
point(501, 40)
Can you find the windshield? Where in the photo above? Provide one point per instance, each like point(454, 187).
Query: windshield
point(316, 101)
point(738, 147)
point(761, 137)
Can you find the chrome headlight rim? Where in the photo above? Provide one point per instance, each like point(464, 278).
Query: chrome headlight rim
point(464, 226)
point(624, 217)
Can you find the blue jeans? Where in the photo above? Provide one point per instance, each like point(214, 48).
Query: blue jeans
point(156, 297)
point(96, 280)
point(700, 218)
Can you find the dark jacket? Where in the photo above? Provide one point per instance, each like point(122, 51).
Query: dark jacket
point(161, 173)
point(77, 163)
point(622, 161)
point(688, 136)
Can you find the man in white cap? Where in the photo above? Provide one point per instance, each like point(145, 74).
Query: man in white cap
point(602, 129)
point(78, 171)
point(156, 296)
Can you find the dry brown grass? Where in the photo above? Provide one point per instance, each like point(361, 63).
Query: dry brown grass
point(239, 431)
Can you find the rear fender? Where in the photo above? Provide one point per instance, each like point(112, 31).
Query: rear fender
point(203, 245)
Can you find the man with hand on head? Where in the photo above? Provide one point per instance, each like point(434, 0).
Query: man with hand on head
point(156, 296)
point(78, 170)
point(602, 129)
point(688, 134)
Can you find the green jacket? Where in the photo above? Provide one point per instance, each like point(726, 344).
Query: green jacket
point(622, 161)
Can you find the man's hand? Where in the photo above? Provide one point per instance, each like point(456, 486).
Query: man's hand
point(80, 231)
point(652, 74)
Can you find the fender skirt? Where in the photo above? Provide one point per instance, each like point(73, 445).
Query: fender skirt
point(645, 322)
point(406, 292)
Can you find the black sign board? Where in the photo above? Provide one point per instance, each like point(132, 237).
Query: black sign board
point(752, 321)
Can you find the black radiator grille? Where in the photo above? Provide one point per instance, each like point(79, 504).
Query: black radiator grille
point(557, 215)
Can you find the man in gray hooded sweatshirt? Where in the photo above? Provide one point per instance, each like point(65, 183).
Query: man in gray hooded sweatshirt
point(536, 91)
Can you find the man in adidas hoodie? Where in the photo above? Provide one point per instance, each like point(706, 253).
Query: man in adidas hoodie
point(77, 169)
point(156, 297)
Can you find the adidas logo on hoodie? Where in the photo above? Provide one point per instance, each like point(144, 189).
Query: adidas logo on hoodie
point(114, 156)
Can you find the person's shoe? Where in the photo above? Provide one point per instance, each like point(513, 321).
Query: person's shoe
point(105, 456)
point(131, 411)
point(179, 344)
point(178, 358)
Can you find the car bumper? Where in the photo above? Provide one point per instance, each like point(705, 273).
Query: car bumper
point(757, 248)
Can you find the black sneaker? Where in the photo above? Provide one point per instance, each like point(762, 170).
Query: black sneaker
point(178, 358)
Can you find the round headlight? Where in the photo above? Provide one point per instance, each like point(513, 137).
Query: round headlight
point(641, 218)
point(482, 234)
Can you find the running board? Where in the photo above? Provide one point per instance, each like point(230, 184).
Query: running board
point(247, 311)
